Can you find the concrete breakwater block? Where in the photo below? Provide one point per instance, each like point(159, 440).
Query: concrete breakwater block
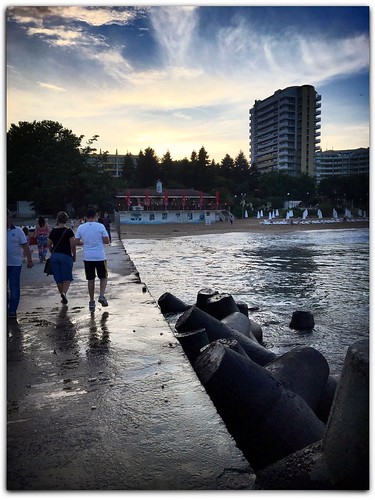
point(202, 297)
point(238, 321)
point(221, 305)
point(340, 461)
point(170, 304)
point(194, 319)
point(256, 330)
point(267, 421)
point(192, 342)
point(326, 399)
point(302, 320)
point(206, 293)
point(231, 343)
point(346, 440)
point(243, 307)
point(303, 370)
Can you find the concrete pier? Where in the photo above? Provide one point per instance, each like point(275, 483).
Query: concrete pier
point(108, 400)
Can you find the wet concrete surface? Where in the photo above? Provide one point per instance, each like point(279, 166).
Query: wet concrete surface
point(108, 400)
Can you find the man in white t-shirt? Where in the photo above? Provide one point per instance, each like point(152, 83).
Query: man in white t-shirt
point(93, 236)
point(16, 241)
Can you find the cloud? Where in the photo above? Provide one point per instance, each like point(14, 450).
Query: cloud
point(50, 86)
point(94, 16)
point(199, 87)
point(175, 29)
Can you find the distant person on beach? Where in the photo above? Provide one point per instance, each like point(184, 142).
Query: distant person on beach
point(42, 231)
point(61, 244)
point(16, 241)
point(93, 236)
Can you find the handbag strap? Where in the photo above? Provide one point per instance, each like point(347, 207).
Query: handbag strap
point(55, 246)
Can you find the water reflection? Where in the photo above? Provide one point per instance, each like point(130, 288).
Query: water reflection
point(66, 341)
point(98, 337)
point(101, 365)
point(15, 345)
point(288, 271)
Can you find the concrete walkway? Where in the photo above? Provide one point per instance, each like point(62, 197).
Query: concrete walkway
point(107, 400)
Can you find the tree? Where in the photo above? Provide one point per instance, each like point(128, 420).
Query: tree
point(148, 171)
point(129, 169)
point(166, 169)
point(241, 168)
point(182, 173)
point(346, 190)
point(203, 170)
point(227, 166)
point(40, 156)
point(47, 165)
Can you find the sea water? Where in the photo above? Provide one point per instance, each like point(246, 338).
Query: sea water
point(323, 271)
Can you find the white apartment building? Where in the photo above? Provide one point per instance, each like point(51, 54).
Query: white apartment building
point(285, 131)
point(342, 162)
point(110, 163)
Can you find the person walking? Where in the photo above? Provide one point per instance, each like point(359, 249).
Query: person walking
point(61, 244)
point(26, 231)
point(42, 231)
point(93, 236)
point(16, 241)
point(106, 221)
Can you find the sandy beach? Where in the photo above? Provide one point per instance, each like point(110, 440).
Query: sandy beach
point(140, 231)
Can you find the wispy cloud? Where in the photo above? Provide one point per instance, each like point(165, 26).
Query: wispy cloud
point(223, 73)
point(50, 86)
point(94, 16)
point(175, 30)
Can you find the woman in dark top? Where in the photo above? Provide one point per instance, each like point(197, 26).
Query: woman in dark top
point(63, 254)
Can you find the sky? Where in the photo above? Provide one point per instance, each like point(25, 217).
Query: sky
point(176, 78)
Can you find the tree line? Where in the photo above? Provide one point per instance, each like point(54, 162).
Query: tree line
point(46, 163)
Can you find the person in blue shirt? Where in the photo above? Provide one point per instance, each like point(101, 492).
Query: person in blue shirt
point(16, 241)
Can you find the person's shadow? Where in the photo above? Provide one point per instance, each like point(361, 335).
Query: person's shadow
point(15, 341)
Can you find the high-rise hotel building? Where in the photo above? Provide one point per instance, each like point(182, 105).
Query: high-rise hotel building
point(285, 131)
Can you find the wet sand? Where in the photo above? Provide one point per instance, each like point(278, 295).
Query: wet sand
point(158, 231)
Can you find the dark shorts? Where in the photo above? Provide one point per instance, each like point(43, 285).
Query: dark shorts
point(100, 266)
